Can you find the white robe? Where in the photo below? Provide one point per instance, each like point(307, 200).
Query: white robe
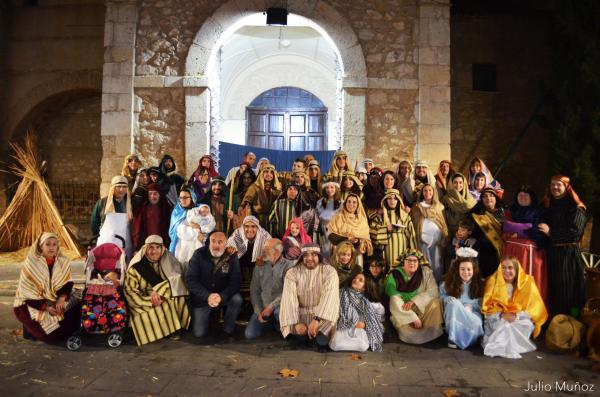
point(187, 236)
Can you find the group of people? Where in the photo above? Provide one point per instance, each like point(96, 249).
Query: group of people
point(331, 257)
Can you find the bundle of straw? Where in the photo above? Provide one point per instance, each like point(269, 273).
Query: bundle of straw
point(32, 210)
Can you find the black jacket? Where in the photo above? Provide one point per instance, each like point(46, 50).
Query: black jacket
point(202, 279)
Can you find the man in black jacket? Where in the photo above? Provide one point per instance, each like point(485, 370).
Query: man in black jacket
point(213, 279)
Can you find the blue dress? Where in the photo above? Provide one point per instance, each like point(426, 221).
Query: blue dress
point(463, 325)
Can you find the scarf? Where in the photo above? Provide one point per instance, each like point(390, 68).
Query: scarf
point(239, 241)
point(110, 205)
point(212, 172)
point(36, 283)
point(548, 199)
point(525, 297)
point(407, 287)
point(303, 236)
point(260, 180)
point(489, 178)
point(459, 202)
point(355, 307)
point(402, 214)
point(492, 228)
point(434, 212)
point(356, 225)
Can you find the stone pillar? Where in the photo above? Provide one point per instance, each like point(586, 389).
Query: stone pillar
point(354, 122)
point(197, 125)
point(117, 87)
point(433, 135)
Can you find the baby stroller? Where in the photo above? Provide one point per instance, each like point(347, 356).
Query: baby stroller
point(103, 308)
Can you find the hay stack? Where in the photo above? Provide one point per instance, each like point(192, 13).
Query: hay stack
point(32, 210)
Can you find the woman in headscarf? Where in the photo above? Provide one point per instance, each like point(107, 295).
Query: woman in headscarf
point(131, 166)
point(563, 223)
point(488, 216)
point(360, 324)
point(415, 307)
point(457, 202)
point(431, 229)
point(294, 238)
point(478, 166)
point(43, 302)
point(523, 239)
point(350, 184)
point(325, 209)
point(461, 294)
point(443, 176)
point(392, 229)
point(200, 181)
point(207, 162)
point(350, 223)
point(339, 165)
point(514, 311)
point(345, 262)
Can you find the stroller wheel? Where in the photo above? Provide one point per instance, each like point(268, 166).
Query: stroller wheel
point(74, 342)
point(115, 339)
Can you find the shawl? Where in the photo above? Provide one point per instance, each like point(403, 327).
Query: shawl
point(126, 171)
point(201, 189)
point(355, 307)
point(212, 172)
point(418, 183)
point(172, 269)
point(489, 178)
point(435, 213)
point(334, 172)
point(442, 181)
point(239, 241)
point(304, 237)
point(356, 225)
point(177, 217)
point(460, 202)
point(401, 211)
point(492, 228)
point(407, 287)
point(526, 297)
point(36, 283)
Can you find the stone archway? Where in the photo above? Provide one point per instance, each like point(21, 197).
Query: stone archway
point(201, 111)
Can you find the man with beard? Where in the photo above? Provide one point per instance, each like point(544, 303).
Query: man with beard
point(249, 158)
point(214, 278)
point(310, 302)
point(169, 168)
point(266, 288)
point(421, 177)
point(247, 242)
point(153, 217)
point(117, 201)
point(262, 194)
point(218, 201)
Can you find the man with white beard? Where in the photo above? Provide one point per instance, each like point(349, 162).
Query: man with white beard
point(213, 279)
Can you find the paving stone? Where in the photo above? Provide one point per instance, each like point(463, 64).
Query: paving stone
point(533, 379)
point(335, 390)
point(319, 368)
point(472, 377)
point(133, 380)
point(282, 387)
point(385, 374)
point(199, 386)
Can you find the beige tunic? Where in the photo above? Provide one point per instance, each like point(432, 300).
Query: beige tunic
point(309, 293)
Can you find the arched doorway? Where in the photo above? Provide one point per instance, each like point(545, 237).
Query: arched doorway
point(287, 118)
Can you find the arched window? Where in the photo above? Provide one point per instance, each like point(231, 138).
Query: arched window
point(287, 118)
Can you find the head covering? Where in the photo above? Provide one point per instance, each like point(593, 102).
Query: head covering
point(349, 174)
point(154, 239)
point(400, 209)
point(239, 241)
point(109, 207)
point(260, 180)
point(178, 216)
point(153, 187)
point(441, 179)
point(163, 167)
point(37, 283)
point(212, 172)
point(218, 179)
point(302, 236)
point(305, 175)
point(126, 171)
point(361, 169)
point(489, 178)
point(411, 252)
point(356, 225)
point(525, 297)
point(311, 247)
point(334, 171)
point(458, 202)
point(569, 191)
point(314, 163)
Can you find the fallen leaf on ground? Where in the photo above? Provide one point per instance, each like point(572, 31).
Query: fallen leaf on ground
point(288, 373)
point(450, 393)
point(355, 357)
point(16, 332)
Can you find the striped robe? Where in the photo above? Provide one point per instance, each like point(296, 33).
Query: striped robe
point(282, 213)
point(151, 323)
point(309, 293)
point(395, 242)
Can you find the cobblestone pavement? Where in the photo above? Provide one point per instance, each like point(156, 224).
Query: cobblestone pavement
point(242, 368)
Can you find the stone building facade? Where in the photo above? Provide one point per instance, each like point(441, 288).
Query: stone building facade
point(98, 79)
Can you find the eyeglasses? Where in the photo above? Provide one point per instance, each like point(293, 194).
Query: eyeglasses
point(412, 260)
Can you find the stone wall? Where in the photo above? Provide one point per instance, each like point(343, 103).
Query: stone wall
point(160, 120)
point(486, 123)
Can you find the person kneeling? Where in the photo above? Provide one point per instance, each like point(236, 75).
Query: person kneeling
point(414, 300)
point(513, 310)
point(214, 278)
point(360, 324)
point(310, 302)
